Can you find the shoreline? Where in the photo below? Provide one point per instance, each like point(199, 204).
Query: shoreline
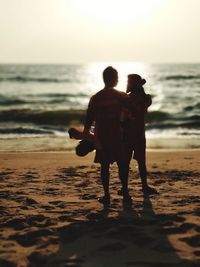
point(73, 151)
point(156, 159)
point(65, 144)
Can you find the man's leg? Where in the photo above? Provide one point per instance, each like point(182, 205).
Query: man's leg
point(123, 174)
point(105, 176)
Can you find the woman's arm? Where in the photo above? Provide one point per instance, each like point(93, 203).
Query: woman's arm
point(148, 101)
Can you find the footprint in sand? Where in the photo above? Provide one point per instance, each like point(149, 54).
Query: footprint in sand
point(47, 207)
point(5, 195)
point(64, 218)
point(197, 253)
point(5, 173)
point(6, 263)
point(154, 166)
point(31, 238)
point(179, 230)
point(88, 197)
point(38, 220)
point(82, 166)
point(60, 204)
point(17, 224)
point(170, 217)
point(197, 228)
point(193, 241)
point(31, 201)
point(29, 177)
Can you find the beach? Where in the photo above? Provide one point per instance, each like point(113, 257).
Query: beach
point(111, 76)
point(50, 214)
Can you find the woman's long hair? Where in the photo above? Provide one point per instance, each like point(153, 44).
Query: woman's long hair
point(135, 85)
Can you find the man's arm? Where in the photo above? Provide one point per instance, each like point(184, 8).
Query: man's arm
point(89, 116)
point(127, 103)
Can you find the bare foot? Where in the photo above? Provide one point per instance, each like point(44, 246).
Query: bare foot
point(120, 192)
point(105, 200)
point(127, 198)
point(149, 190)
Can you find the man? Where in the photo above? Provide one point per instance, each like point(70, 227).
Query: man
point(104, 110)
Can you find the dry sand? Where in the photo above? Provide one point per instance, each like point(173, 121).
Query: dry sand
point(50, 215)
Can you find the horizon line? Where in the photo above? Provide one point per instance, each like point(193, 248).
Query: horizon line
point(97, 62)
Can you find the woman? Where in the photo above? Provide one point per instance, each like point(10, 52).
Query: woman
point(134, 126)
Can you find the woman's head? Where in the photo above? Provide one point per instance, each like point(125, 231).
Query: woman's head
point(135, 83)
point(110, 77)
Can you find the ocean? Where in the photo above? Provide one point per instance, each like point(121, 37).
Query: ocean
point(38, 103)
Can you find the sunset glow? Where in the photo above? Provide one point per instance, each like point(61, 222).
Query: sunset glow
point(83, 31)
point(113, 11)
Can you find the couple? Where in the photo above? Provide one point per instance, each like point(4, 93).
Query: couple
point(119, 130)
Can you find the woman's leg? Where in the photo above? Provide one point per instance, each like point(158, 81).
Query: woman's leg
point(140, 156)
point(105, 176)
point(143, 174)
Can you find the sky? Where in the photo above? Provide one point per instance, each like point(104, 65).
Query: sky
point(80, 31)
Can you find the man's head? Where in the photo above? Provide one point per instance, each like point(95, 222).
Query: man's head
point(110, 77)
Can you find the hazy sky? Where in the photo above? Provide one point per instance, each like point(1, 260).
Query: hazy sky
point(67, 31)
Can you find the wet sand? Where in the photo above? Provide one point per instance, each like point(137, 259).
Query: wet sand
point(50, 214)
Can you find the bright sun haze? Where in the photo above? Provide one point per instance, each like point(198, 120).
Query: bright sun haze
point(118, 13)
point(76, 31)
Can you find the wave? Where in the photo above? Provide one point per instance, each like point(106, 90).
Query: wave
point(163, 120)
point(20, 78)
point(24, 130)
point(173, 125)
point(155, 116)
point(50, 117)
point(39, 99)
point(8, 101)
point(60, 95)
point(182, 77)
point(155, 119)
point(196, 106)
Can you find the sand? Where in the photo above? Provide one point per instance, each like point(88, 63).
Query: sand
point(50, 214)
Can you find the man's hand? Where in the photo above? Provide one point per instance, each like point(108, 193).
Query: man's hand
point(86, 133)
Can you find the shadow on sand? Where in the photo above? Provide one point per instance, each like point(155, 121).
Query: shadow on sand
point(128, 239)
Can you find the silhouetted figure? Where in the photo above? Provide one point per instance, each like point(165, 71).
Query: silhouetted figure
point(105, 109)
point(134, 129)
